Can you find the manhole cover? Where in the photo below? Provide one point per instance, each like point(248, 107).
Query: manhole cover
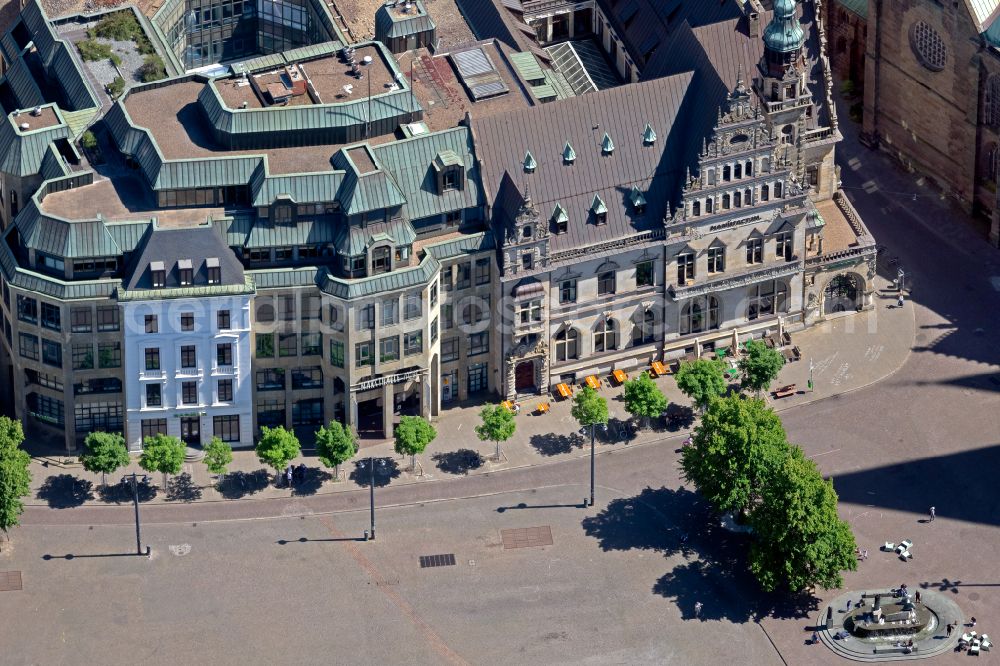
point(427, 561)
point(10, 581)
point(526, 537)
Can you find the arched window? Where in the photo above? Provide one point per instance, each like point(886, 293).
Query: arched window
point(696, 208)
point(737, 200)
point(567, 344)
point(748, 197)
point(726, 174)
point(777, 190)
point(725, 202)
point(642, 333)
point(767, 298)
point(708, 205)
point(606, 335)
point(765, 192)
point(748, 169)
point(738, 171)
point(991, 110)
point(700, 315)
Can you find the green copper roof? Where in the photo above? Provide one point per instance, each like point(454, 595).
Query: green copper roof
point(22, 151)
point(529, 162)
point(559, 214)
point(196, 291)
point(418, 275)
point(859, 7)
point(265, 234)
point(301, 188)
point(354, 240)
point(447, 157)
point(527, 66)
point(648, 135)
point(607, 145)
point(390, 23)
point(784, 33)
point(636, 197)
point(568, 153)
point(597, 206)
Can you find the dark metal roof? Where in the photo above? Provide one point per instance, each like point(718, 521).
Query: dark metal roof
point(173, 245)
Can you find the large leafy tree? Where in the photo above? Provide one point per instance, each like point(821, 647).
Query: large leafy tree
point(703, 381)
point(589, 408)
point(104, 452)
point(800, 540)
point(643, 398)
point(335, 445)
point(737, 446)
point(497, 425)
point(15, 475)
point(162, 453)
point(218, 457)
point(277, 447)
point(760, 365)
point(412, 436)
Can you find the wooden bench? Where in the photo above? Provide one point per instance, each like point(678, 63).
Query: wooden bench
point(785, 391)
point(619, 376)
point(564, 391)
point(593, 382)
point(791, 354)
point(659, 369)
point(510, 406)
point(542, 408)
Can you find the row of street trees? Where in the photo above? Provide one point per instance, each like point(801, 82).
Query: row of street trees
point(15, 477)
point(741, 462)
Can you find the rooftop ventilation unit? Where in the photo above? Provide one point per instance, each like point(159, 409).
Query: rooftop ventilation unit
point(24, 126)
point(37, 111)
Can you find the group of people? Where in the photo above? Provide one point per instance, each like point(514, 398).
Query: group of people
point(295, 474)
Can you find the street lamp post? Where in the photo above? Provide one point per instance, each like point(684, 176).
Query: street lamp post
point(371, 493)
point(135, 502)
point(593, 430)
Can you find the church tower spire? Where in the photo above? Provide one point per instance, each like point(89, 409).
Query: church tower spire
point(783, 38)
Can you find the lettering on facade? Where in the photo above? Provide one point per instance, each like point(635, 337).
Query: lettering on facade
point(735, 223)
point(389, 379)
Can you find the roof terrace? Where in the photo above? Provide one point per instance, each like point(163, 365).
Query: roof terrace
point(46, 117)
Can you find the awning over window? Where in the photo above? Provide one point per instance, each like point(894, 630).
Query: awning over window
point(529, 290)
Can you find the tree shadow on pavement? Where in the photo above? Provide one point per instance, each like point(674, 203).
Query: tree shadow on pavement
point(678, 417)
point(714, 571)
point(386, 469)
point(65, 491)
point(182, 488)
point(240, 484)
point(551, 444)
point(121, 493)
point(458, 462)
point(312, 480)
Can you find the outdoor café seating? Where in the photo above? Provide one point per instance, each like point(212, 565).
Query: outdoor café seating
point(785, 391)
point(510, 406)
point(564, 391)
point(542, 408)
point(593, 382)
point(659, 368)
point(620, 376)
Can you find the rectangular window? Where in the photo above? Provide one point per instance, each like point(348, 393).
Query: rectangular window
point(413, 343)
point(265, 345)
point(189, 357)
point(154, 397)
point(783, 245)
point(716, 259)
point(606, 283)
point(98, 385)
point(447, 316)
point(214, 275)
point(224, 390)
point(51, 317)
point(380, 260)
point(224, 354)
point(312, 344)
point(153, 427)
point(83, 357)
point(27, 309)
point(109, 355)
point(51, 353)
point(527, 261)
point(366, 317)
point(389, 349)
point(644, 274)
point(307, 378)
point(449, 349)
point(414, 306)
point(434, 330)
point(483, 271)
point(479, 343)
point(107, 318)
point(288, 308)
point(106, 416)
point(187, 321)
point(464, 276)
point(307, 412)
point(446, 278)
point(529, 311)
point(185, 276)
point(287, 344)
point(159, 278)
point(271, 379)
point(189, 393)
point(362, 354)
point(150, 324)
point(390, 312)
point(152, 355)
point(81, 320)
point(755, 251)
point(312, 307)
point(46, 409)
point(223, 320)
point(685, 267)
point(271, 411)
point(227, 427)
point(567, 291)
point(434, 294)
point(337, 353)
point(28, 346)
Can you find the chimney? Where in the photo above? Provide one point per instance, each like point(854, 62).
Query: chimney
point(753, 10)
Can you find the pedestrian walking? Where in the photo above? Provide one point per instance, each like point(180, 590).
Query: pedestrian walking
point(899, 301)
point(949, 629)
point(973, 622)
point(918, 596)
point(698, 607)
point(848, 606)
point(932, 514)
point(815, 639)
point(864, 554)
point(288, 475)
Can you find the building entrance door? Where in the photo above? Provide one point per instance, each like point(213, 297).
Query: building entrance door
point(524, 376)
point(191, 430)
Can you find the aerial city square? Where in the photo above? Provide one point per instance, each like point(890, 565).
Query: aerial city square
point(499, 331)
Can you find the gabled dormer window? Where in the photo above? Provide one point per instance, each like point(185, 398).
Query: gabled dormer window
point(638, 201)
point(648, 136)
point(158, 274)
point(607, 145)
point(449, 170)
point(283, 214)
point(529, 163)
point(214, 270)
point(560, 218)
point(569, 155)
point(599, 210)
point(185, 273)
point(380, 260)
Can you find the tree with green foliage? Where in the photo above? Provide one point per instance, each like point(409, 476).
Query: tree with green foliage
point(162, 453)
point(104, 452)
point(277, 447)
point(496, 425)
point(88, 140)
point(116, 60)
point(116, 87)
point(589, 408)
point(735, 449)
point(643, 398)
point(218, 457)
point(15, 475)
point(702, 380)
point(152, 69)
point(800, 541)
point(335, 445)
point(93, 50)
point(760, 365)
point(412, 436)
